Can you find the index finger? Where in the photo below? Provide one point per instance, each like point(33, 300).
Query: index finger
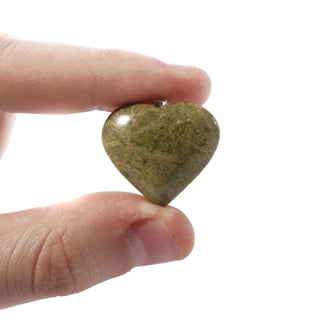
point(40, 77)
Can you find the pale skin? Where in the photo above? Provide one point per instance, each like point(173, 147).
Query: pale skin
point(68, 247)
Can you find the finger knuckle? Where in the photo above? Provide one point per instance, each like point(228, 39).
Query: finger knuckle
point(55, 268)
point(103, 77)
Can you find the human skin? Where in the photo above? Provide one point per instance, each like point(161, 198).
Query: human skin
point(65, 248)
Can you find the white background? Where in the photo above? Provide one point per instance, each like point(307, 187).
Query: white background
point(255, 207)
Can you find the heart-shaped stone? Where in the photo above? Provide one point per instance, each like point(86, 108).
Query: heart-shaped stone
point(160, 149)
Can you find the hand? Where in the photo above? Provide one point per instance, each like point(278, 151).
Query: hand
point(68, 247)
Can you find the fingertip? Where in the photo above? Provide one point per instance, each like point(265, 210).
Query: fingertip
point(190, 84)
point(158, 234)
point(182, 231)
point(162, 234)
point(147, 79)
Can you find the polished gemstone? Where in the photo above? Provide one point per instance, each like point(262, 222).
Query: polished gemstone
point(160, 149)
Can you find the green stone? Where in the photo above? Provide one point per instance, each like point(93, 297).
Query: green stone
point(160, 150)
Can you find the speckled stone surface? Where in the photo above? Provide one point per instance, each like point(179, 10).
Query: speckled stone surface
point(160, 150)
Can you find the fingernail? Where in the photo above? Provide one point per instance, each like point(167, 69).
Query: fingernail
point(182, 68)
point(151, 243)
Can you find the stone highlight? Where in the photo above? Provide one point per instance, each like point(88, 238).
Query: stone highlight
point(160, 150)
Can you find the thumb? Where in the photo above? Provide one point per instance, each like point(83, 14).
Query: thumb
point(66, 248)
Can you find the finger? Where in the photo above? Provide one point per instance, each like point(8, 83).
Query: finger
point(58, 78)
point(6, 126)
point(66, 248)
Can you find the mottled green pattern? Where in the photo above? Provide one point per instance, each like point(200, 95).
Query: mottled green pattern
point(160, 150)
